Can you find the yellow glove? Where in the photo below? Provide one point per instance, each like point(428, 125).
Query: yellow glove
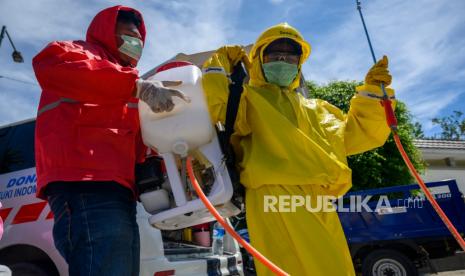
point(379, 73)
point(235, 53)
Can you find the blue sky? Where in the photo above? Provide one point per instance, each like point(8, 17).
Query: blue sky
point(424, 39)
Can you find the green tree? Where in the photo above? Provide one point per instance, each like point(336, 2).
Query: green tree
point(418, 131)
point(453, 126)
point(383, 166)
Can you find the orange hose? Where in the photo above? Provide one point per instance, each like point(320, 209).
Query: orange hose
point(428, 194)
point(392, 123)
point(274, 268)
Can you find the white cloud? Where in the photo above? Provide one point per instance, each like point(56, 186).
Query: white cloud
point(188, 28)
point(430, 105)
point(424, 40)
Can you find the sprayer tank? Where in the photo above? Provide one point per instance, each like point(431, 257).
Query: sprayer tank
point(188, 125)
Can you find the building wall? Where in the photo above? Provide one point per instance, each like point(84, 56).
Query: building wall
point(434, 173)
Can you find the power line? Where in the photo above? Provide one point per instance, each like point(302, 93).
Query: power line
point(18, 80)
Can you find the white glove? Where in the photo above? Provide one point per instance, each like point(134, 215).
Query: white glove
point(158, 97)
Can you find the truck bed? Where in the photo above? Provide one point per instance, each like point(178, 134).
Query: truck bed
point(177, 248)
point(405, 219)
point(225, 264)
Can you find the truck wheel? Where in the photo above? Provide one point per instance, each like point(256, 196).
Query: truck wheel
point(386, 262)
point(27, 269)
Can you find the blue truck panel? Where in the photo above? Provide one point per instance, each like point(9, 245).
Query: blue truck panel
point(410, 215)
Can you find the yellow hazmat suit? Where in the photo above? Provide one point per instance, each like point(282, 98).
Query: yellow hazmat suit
point(291, 146)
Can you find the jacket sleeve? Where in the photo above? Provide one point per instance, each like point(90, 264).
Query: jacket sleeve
point(70, 71)
point(215, 82)
point(366, 126)
point(216, 71)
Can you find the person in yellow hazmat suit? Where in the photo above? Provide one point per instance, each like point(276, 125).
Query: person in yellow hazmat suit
point(287, 145)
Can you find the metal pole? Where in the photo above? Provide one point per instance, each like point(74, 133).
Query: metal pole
point(9, 38)
point(17, 57)
point(359, 8)
point(2, 34)
point(392, 121)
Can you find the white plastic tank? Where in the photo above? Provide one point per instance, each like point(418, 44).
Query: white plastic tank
point(175, 135)
point(188, 125)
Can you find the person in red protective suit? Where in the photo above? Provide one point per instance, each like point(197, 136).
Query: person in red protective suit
point(88, 141)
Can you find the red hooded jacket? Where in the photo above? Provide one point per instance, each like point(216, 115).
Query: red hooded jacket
point(87, 125)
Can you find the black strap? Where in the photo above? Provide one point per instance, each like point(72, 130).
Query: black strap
point(235, 92)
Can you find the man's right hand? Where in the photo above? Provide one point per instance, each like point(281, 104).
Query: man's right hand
point(158, 97)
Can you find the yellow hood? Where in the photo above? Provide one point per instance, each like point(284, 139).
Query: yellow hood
point(282, 30)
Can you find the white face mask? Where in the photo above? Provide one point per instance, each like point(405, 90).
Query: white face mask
point(132, 46)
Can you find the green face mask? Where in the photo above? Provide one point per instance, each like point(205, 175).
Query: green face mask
point(132, 46)
point(280, 72)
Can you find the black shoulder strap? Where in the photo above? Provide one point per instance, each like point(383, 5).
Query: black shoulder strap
point(235, 91)
point(234, 97)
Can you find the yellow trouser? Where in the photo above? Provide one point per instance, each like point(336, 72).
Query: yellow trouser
point(300, 242)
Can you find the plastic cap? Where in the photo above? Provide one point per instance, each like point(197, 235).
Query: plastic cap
point(181, 148)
